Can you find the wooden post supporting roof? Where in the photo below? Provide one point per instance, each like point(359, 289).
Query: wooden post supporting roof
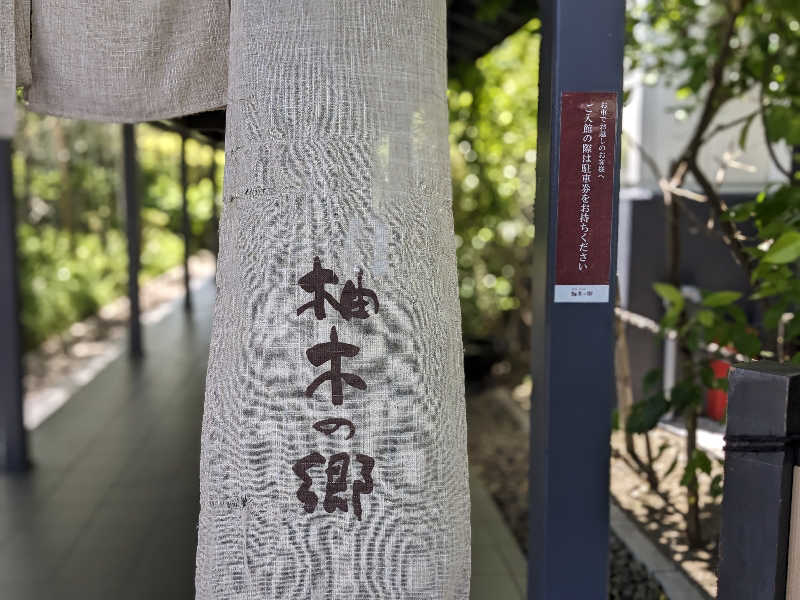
point(573, 297)
point(12, 429)
point(130, 175)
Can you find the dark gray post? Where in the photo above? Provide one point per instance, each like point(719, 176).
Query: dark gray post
point(763, 427)
point(130, 176)
point(15, 448)
point(573, 368)
point(214, 211)
point(185, 226)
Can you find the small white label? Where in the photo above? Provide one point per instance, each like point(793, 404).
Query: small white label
point(581, 293)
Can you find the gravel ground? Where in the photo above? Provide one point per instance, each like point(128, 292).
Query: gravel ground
point(660, 514)
point(498, 448)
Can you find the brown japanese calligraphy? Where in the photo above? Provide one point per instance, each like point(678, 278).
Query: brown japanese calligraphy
point(336, 482)
point(314, 282)
point(332, 352)
point(331, 425)
point(353, 302)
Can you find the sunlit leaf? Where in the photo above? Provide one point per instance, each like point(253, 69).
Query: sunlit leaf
point(785, 249)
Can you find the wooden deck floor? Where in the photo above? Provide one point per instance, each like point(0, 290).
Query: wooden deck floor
point(110, 509)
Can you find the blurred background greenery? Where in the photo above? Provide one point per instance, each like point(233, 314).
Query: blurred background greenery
point(71, 242)
point(493, 108)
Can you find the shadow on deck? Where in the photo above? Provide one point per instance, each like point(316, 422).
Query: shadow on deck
point(110, 509)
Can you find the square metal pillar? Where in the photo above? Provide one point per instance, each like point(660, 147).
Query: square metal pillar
point(12, 429)
point(573, 333)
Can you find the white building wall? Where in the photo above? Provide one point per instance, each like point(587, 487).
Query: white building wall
point(652, 117)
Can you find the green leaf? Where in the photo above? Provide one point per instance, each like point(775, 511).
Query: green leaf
point(737, 314)
point(785, 249)
point(645, 414)
point(707, 375)
point(782, 124)
point(685, 394)
point(716, 299)
point(652, 381)
point(672, 316)
point(698, 462)
point(702, 461)
point(671, 295)
point(747, 343)
point(689, 475)
point(745, 130)
point(706, 318)
point(716, 486)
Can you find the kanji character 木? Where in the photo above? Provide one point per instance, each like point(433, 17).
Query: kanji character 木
point(314, 282)
point(332, 352)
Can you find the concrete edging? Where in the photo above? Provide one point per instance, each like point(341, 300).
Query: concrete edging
point(676, 583)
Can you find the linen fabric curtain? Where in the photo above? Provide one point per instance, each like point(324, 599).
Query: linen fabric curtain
point(127, 60)
point(337, 169)
point(7, 69)
point(333, 460)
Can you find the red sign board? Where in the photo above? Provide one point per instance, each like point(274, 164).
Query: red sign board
point(585, 196)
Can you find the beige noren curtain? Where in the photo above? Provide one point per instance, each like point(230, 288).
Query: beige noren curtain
point(333, 459)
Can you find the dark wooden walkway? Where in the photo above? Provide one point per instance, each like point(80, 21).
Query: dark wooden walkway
point(110, 510)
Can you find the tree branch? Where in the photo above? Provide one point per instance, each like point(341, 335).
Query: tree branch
point(712, 103)
point(646, 157)
point(669, 190)
point(731, 235)
point(728, 125)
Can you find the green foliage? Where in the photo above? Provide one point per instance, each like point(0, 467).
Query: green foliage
point(493, 152)
point(712, 52)
point(646, 414)
point(753, 45)
point(715, 489)
point(716, 318)
point(698, 462)
point(490, 10)
point(669, 293)
point(674, 301)
point(680, 40)
point(718, 299)
point(64, 279)
point(786, 249)
point(72, 251)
